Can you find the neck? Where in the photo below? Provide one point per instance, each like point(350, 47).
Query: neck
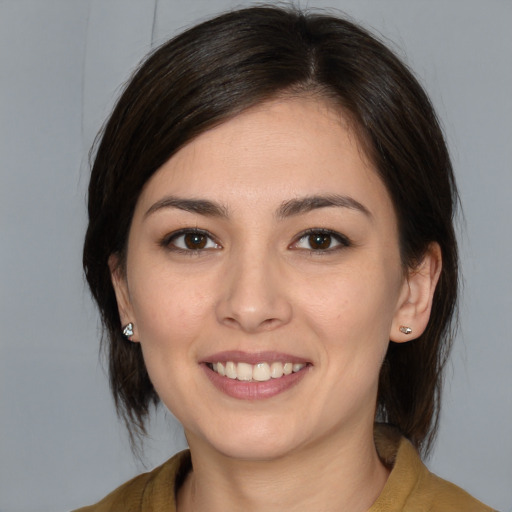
point(333, 475)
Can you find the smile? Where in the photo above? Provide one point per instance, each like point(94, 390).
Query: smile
point(259, 372)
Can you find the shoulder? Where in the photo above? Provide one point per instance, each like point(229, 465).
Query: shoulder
point(443, 496)
point(154, 490)
point(411, 487)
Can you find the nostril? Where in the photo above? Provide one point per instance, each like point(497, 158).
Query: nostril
point(270, 323)
point(253, 324)
point(230, 322)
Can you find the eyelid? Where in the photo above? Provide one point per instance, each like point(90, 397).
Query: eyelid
point(167, 240)
point(343, 241)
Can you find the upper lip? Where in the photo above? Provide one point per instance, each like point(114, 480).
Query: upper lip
point(239, 356)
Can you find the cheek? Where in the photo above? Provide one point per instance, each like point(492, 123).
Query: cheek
point(352, 314)
point(169, 308)
point(170, 314)
point(353, 302)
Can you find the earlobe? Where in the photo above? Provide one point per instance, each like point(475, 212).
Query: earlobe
point(120, 286)
point(415, 303)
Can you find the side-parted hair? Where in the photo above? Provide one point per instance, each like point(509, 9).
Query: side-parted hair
point(221, 67)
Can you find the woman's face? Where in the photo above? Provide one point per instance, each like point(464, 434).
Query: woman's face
point(267, 245)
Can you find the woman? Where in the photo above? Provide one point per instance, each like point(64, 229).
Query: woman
point(271, 247)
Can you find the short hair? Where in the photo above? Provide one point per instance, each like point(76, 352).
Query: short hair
point(221, 67)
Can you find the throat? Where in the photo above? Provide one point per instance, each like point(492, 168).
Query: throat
point(274, 486)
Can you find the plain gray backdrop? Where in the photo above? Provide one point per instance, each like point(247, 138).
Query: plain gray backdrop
point(61, 66)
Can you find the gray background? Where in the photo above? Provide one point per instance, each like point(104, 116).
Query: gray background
point(61, 66)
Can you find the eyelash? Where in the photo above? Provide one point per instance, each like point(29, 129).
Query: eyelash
point(342, 241)
point(169, 241)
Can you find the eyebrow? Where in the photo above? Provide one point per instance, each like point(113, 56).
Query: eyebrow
point(310, 203)
point(287, 209)
point(200, 206)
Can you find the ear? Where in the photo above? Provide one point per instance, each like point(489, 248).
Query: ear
point(120, 285)
point(415, 303)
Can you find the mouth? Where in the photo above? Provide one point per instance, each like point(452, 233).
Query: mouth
point(254, 376)
point(259, 372)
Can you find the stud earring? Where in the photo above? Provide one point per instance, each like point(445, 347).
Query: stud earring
point(128, 330)
point(405, 329)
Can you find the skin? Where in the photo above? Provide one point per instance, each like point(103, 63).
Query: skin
point(259, 285)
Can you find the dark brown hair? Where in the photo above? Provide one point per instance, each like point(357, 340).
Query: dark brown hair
point(214, 71)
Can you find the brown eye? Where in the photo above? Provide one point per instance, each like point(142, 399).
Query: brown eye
point(190, 240)
point(194, 241)
point(319, 241)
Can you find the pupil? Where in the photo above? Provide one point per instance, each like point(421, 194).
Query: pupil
point(319, 241)
point(195, 241)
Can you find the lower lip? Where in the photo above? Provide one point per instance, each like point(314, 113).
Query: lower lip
point(254, 390)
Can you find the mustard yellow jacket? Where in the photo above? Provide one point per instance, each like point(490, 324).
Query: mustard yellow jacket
point(410, 486)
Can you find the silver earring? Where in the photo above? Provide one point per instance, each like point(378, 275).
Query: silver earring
point(405, 329)
point(128, 330)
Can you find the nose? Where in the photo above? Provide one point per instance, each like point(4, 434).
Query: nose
point(253, 294)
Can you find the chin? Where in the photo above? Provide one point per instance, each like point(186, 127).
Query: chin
point(254, 442)
point(255, 451)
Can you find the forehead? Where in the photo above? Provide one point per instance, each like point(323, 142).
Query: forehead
point(274, 151)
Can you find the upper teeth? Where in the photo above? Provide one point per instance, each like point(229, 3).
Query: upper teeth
point(258, 372)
